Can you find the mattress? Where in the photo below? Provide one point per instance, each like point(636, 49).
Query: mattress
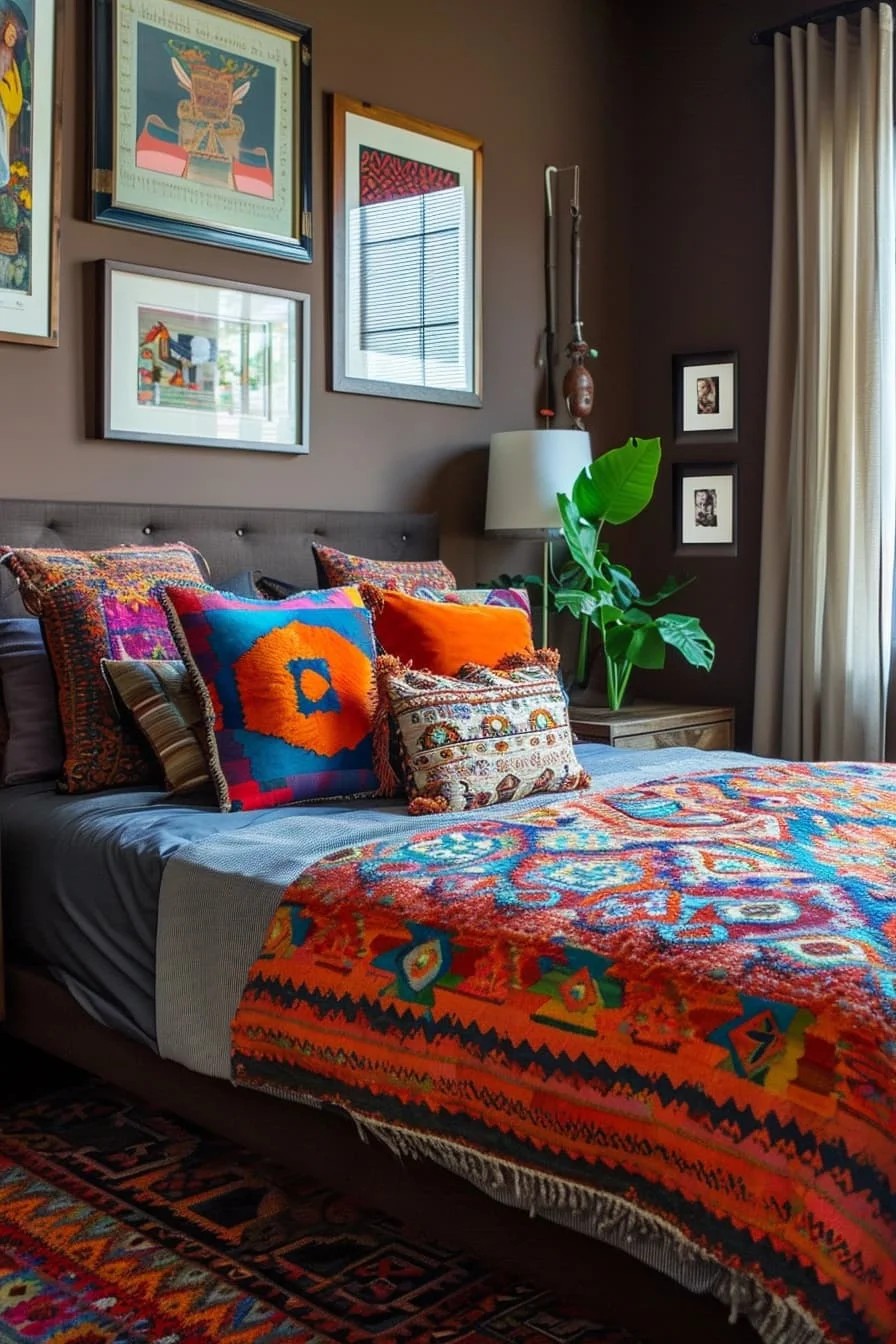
point(82, 877)
point(81, 882)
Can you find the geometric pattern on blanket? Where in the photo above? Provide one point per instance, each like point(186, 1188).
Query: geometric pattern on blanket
point(679, 997)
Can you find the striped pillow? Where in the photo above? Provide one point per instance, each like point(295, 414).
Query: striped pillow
point(160, 696)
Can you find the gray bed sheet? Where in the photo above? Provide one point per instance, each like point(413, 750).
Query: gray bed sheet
point(83, 878)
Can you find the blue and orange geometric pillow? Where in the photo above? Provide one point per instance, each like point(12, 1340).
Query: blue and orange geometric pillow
point(287, 691)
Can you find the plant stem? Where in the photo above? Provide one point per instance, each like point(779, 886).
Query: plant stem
point(582, 657)
point(617, 681)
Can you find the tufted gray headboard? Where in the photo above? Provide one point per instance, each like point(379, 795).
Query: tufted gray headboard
point(275, 541)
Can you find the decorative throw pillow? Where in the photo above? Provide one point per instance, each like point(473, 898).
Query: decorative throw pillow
point(94, 605)
point(241, 584)
point(252, 583)
point(441, 636)
point(489, 737)
point(159, 694)
point(287, 693)
point(34, 748)
point(403, 576)
point(480, 597)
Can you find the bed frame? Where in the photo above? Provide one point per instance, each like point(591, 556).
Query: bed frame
point(598, 1280)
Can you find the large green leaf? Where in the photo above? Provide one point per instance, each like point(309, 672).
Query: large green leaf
point(627, 591)
point(619, 484)
point(588, 604)
point(686, 634)
point(579, 534)
point(636, 642)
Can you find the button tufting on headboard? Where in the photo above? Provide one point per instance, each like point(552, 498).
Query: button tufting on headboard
point(276, 541)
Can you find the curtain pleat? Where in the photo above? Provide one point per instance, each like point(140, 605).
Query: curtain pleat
point(826, 574)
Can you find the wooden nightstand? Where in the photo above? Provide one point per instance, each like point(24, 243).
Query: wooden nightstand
point(656, 725)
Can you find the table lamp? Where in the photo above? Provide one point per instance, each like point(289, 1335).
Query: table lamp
point(527, 469)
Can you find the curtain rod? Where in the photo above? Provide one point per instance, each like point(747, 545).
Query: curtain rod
point(766, 36)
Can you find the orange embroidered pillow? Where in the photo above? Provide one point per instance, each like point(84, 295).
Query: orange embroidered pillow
point(441, 637)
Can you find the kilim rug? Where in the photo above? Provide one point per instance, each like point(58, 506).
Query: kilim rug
point(121, 1224)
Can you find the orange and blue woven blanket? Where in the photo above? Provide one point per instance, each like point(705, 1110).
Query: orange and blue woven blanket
point(679, 996)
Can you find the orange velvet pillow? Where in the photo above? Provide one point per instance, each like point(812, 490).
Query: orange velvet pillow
point(441, 637)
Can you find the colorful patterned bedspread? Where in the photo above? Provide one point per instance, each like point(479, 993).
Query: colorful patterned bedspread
point(680, 996)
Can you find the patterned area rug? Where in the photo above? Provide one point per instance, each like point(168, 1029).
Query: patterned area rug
point(120, 1224)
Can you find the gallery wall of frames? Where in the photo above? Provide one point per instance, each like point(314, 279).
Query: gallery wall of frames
point(225, 151)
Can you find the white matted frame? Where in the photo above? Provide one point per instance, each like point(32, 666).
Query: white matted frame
point(30, 169)
point(407, 257)
point(706, 397)
point(213, 363)
point(706, 509)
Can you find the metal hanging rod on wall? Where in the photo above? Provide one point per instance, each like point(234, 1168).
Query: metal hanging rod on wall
point(766, 36)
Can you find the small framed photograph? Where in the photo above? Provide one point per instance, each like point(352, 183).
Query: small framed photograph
point(202, 123)
point(706, 509)
point(407, 257)
point(30, 172)
point(205, 362)
point(706, 398)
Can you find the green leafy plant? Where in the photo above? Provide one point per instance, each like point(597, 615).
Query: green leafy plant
point(602, 595)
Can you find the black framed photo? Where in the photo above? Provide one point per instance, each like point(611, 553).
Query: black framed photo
point(706, 397)
point(706, 509)
point(202, 123)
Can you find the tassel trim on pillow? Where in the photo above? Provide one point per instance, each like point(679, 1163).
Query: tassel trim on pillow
point(384, 667)
point(372, 597)
point(546, 658)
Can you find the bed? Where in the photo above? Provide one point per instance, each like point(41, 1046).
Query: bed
point(693, 1091)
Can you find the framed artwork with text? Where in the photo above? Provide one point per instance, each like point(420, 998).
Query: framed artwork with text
point(202, 123)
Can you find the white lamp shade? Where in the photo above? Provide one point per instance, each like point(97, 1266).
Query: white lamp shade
point(527, 469)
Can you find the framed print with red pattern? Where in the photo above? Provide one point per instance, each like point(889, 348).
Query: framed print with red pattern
point(407, 257)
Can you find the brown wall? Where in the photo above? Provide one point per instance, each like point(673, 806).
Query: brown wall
point(702, 150)
point(537, 92)
point(668, 109)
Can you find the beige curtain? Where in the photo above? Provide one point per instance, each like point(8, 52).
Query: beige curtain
point(826, 581)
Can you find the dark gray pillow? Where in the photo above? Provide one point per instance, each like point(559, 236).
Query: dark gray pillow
point(252, 583)
point(34, 747)
point(241, 585)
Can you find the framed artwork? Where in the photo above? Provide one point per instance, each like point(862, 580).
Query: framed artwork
point(191, 360)
point(407, 257)
point(706, 398)
point(706, 509)
point(30, 170)
point(202, 123)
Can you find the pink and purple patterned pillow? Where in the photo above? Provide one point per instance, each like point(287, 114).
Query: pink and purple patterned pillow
point(95, 605)
point(404, 576)
point(476, 597)
point(287, 693)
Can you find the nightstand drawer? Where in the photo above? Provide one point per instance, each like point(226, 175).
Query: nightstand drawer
point(644, 726)
point(706, 736)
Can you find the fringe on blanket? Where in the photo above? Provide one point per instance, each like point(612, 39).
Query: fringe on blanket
point(611, 1219)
